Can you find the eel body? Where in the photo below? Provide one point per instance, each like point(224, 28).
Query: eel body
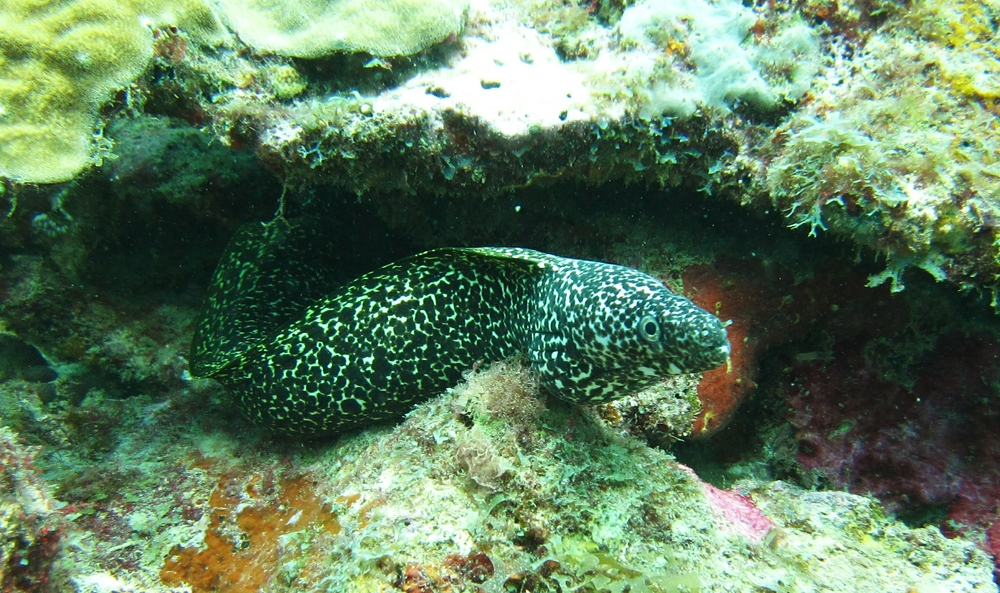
point(369, 350)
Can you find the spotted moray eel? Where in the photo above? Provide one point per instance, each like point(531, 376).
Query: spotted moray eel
point(305, 359)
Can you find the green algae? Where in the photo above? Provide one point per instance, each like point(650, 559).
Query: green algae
point(902, 157)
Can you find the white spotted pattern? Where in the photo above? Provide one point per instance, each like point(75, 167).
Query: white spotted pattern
point(593, 332)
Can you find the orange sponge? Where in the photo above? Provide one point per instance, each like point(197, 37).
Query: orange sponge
point(256, 515)
point(723, 389)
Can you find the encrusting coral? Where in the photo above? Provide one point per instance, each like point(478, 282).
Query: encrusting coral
point(727, 69)
point(313, 28)
point(458, 497)
point(487, 487)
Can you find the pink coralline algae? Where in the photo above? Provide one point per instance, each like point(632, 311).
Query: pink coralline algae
point(928, 451)
point(735, 513)
point(883, 398)
point(738, 514)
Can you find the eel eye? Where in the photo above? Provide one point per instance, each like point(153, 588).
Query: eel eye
point(649, 329)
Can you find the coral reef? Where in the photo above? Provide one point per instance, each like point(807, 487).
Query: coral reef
point(664, 413)
point(886, 396)
point(257, 522)
point(775, 69)
point(500, 109)
point(853, 437)
point(165, 164)
point(926, 447)
point(59, 61)
point(486, 488)
point(769, 306)
point(318, 28)
point(897, 148)
point(871, 119)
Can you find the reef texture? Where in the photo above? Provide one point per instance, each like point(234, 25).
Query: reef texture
point(897, 147)
point(30, 522)
point(928, 450)
point(160, 486)
point(61, 61)
point(875, 121)
point(847, 404)
point(488, 488)
point(884, 396)
point(320, 27)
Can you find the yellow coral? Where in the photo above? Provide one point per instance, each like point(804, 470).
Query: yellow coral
point(313, 28)
point(60, 60)
point(970, 58)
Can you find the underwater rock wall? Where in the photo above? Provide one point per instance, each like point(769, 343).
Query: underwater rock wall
point(815, 109)
point(873, 121)
point(680, 138)
point(159, 484)
point(460, 497)
point(897, 148)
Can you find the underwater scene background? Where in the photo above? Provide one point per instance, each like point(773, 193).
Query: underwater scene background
point(821, 175)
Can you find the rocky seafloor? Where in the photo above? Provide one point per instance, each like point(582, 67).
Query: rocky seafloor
point(821, 175)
